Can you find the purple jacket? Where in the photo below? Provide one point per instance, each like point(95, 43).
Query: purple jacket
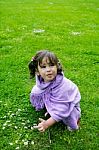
point(59, 96)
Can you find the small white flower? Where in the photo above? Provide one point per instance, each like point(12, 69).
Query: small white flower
point(17, 147)
point(16, 141)
point(20, 134)
point(34, 124)
point(11, 143)
point(32, 128)
point(9, 125)
point(12, 115)
point(32, 142)
point(75, 33)
point(7, 121)
point(4, 116)
point(23, 123)
point(26, 143)
point(38, 31)
point(0, 101)
point(4, 124)
point(25, 127)
point(15, 127)
point(23, 140)
point(19, 109)
point(3, 128)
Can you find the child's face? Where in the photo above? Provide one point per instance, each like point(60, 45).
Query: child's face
point(47, 70)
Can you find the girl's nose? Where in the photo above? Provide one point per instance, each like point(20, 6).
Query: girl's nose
point(47, 68)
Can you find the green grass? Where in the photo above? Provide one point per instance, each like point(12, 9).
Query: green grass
point(71, 30)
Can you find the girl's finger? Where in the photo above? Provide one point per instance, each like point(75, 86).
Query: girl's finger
point(41, 129)
point(40, 119)
point(35, 127)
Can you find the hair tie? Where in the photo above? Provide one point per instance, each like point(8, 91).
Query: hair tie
point(33, 58)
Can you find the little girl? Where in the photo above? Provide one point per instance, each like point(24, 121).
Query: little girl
point(53, 91)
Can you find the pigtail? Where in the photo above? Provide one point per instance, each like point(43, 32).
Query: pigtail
point(59, 68)
point(32, 68)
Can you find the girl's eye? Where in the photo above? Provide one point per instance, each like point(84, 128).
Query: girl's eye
point(43, 66)
point(52, 65)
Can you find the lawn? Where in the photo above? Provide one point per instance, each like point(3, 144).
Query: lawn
point(70, 28)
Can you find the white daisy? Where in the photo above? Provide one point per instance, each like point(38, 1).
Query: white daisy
point(10, 143)
point(32, 142)
point(25, 127)
point(38, 30)
point(15, 127)
point(75, 33)
point(17, 147)
point(26, 143)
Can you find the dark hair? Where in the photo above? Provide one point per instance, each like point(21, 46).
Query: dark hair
point(37, 59)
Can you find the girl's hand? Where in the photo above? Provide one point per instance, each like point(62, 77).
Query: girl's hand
point(42, 126)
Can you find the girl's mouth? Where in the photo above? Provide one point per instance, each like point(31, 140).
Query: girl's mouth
point(49, 75)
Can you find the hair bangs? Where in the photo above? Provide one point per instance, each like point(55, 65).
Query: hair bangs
point(49, 57)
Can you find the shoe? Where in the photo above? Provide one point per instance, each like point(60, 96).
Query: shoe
point(70, 129)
